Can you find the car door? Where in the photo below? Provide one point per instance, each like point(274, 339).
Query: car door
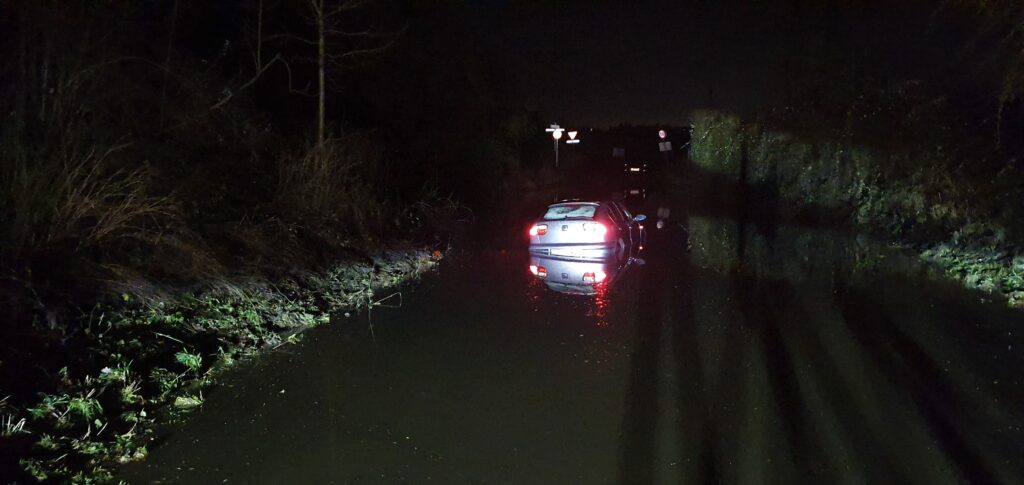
point(631, 228)
point(621, 225)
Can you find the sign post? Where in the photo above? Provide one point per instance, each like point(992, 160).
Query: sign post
point(556, 134)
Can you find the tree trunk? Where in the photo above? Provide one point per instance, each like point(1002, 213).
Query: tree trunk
point(259, 36)
point(167, 62)
point(321, 65)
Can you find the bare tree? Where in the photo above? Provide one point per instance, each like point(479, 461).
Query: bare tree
point(337, 47)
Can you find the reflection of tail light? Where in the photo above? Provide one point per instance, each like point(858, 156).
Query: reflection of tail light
point(539, 230)
point(538, 271)
point(594, 277)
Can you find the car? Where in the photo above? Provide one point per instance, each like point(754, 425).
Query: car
point(633, 167)
point(587, 230)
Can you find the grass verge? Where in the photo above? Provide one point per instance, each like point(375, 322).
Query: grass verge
point(924, 191)
point(136, 361)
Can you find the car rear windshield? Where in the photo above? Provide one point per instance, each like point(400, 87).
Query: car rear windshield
point(570, 211)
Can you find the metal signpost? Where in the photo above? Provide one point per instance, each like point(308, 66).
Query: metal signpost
point(665, 147)
point(556, 134)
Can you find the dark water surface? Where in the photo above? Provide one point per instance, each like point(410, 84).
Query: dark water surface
point(737, 354)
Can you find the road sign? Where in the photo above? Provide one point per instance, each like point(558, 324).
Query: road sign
point(556, 133)
point(662, 134)
point(618, 152)
point(572, 134)
point(664, 146)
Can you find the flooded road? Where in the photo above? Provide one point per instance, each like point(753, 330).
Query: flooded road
point(732, 353)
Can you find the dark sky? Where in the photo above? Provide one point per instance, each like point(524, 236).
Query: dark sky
point(654, 62)
point(606, 63)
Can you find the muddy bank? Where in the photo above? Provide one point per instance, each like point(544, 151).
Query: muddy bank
point(88, 401)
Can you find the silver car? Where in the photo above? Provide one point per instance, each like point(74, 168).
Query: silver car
point(587, 231)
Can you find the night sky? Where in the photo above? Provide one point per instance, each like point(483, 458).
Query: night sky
point(605, 63)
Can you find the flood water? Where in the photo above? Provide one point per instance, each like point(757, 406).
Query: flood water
point(736, 353)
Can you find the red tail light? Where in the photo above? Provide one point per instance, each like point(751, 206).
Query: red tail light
point(594, 277)
point(538, 271)
point(539, 230)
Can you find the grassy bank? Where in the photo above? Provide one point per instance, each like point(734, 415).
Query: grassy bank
point(90, 391)
point(892, 164)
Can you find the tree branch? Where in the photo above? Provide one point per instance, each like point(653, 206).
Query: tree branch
point(348, 6)
point(231, 94)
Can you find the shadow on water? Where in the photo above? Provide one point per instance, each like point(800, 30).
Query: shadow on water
point(799, 354)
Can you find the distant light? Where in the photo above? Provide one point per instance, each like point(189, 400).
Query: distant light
point(662, 134)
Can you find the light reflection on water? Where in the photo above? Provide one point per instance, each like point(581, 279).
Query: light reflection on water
point(584, 286)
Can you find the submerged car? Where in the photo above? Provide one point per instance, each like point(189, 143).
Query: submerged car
point(587, 231)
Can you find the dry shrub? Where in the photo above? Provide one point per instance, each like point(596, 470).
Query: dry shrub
point(334, 181)
point(77, 197)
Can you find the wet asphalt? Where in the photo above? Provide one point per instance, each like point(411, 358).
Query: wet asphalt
point(736, 353)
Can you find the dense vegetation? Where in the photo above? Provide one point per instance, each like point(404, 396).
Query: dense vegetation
point(184, 182)
point(933, 162)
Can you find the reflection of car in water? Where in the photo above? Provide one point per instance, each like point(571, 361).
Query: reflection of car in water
point(634, 196)
point(587, 231)
point(579, 277)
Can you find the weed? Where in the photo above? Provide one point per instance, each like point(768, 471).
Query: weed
point(85, 407)
point(47, 442)
point(118, 373)
point(50, 406)
point(188, 401)
point(192, 361)
point(12, 427)
point(164, 379)
point(226, 358)
point(130, 392)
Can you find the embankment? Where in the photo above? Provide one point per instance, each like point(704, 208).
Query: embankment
point(903, 176)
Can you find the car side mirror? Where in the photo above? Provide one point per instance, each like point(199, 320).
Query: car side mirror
point(640, 218)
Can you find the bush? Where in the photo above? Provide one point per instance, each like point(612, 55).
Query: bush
point(76, 197)
point(333, 181)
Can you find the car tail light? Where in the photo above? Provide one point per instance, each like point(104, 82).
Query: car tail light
point(538, 271)
point(594, 276)
point(539, 230)
point(595, 227)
